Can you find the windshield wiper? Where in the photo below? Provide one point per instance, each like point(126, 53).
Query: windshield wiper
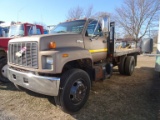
point(12, 35)
point(19, 35)
point(61, 31)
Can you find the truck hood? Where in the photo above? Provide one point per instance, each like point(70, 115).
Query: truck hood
point(61, 40)
point(4, 43)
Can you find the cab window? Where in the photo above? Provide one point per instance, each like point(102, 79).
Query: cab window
point(38, 31)
point(30, 30)
point(93, 29)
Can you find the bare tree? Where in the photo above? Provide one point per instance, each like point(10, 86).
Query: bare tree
point(89, 12)
point(76, 12)
point(98, 15)
point(79, 12)
point(136, 16)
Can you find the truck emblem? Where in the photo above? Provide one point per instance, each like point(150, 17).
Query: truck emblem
point(20, 53)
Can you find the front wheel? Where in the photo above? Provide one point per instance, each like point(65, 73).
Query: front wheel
point(3, 70)
point(75, 88)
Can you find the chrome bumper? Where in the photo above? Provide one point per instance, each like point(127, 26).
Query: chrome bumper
point(39, 84)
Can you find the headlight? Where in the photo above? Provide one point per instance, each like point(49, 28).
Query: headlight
point(49, 60)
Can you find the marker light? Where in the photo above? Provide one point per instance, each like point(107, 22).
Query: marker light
point(52, 45)
point(65, 55)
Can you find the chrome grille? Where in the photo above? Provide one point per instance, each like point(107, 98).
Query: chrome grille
point(29, 57)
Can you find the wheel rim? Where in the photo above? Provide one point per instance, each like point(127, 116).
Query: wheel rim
point(77, 92)
point(4, 70)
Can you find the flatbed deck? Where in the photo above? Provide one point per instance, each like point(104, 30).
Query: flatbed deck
point(121, 52)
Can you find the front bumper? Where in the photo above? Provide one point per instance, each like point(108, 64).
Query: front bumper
point(40, 84)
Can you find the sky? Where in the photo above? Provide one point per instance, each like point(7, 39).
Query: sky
point(49, 12)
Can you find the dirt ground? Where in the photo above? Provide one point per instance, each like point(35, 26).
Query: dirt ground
point(118, 98)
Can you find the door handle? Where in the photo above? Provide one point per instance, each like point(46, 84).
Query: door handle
point(79, 41)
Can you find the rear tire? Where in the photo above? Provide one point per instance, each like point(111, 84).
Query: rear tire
point(129, 65)
point(3, 62)
point(121, 66)
point(75, 88)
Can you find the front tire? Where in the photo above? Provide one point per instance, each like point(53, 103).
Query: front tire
point(75, 88)
point(3, 70)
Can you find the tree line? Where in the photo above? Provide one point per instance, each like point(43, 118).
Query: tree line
point(134, 18)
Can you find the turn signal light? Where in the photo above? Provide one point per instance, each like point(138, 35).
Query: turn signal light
point(65, 55)
point(52, 45)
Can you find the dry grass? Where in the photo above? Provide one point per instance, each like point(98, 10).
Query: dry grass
point(118, 98)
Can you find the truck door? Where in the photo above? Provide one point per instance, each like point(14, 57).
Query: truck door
point(94, 41)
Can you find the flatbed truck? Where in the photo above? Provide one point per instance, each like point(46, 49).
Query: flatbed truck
point(64, 64)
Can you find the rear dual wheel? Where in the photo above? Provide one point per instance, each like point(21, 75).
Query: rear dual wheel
point(127, 65)
point(122, 65)
point(75, 88)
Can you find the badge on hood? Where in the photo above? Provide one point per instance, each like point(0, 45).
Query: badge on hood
point(20, 53)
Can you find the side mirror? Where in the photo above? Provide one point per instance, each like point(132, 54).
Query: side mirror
point(146, 45)
point(105, 23)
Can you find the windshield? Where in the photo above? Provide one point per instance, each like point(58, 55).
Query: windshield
point(73, 26)
point(16, 30)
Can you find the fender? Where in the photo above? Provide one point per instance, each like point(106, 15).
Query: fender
point(65, 55)
point(4, 42)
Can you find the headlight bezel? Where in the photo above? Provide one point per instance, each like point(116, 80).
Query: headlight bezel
point(47, 62)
